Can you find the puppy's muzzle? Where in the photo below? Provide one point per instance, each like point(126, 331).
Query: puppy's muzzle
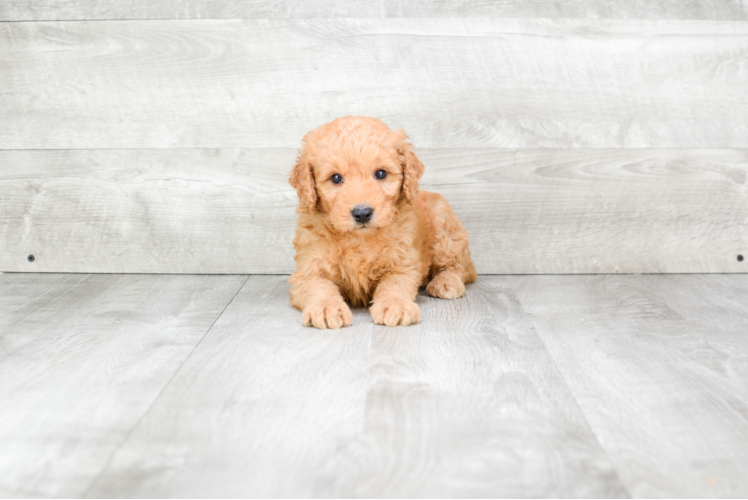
point(362, 214)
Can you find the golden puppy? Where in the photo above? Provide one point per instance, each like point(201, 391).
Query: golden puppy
point(365, 234)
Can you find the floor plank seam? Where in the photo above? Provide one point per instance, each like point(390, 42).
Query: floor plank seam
point(562, 376)
point(108, 461)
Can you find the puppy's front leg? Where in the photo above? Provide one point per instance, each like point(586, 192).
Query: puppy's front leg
point(320, 301)
point(394, 301)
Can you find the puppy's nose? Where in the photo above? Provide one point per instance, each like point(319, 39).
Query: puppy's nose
point(362, 214)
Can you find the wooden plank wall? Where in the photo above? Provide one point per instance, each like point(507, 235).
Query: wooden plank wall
point(588, 136)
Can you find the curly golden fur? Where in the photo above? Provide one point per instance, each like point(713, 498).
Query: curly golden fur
point(365, 234)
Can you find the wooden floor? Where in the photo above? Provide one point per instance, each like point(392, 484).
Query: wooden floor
point(531, 386)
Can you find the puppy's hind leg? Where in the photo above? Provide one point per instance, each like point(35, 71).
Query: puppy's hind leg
point(451, 265)
point(449, 281)
point(447, 284)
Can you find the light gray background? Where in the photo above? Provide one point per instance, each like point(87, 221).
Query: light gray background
point(590, 136)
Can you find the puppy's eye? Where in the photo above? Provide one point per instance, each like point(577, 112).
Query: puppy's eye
point(336, 178)
point(380, 174)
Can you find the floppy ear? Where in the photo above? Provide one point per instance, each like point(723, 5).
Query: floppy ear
point(302, 178)
point(412, 168)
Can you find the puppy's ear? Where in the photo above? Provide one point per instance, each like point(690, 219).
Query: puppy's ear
point(302, 178)
point(412, 167)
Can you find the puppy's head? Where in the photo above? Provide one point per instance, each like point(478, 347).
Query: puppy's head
point(355, 172)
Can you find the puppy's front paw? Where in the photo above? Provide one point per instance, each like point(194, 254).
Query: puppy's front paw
point(394, 312)
point(327, 314)
point(446, 285)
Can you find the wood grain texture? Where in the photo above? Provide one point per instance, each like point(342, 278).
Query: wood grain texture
point(466, 404)
point(82, 358)
point(659, 367)
point(232, 211)
point(31, 10)
point(461, 83)
point(530, 386)
point(152, 211)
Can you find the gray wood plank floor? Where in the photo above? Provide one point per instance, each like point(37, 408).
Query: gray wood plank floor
point(657, 372)
point(530, 386)
point(82, 358)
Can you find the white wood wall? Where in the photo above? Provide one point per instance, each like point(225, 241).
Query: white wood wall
point(571, 137)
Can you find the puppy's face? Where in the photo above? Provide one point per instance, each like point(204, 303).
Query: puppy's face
point(355, 172)
point(358, 185)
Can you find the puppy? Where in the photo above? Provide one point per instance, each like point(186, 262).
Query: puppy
point(365, 234)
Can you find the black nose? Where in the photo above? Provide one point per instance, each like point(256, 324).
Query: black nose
point(362, 214)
